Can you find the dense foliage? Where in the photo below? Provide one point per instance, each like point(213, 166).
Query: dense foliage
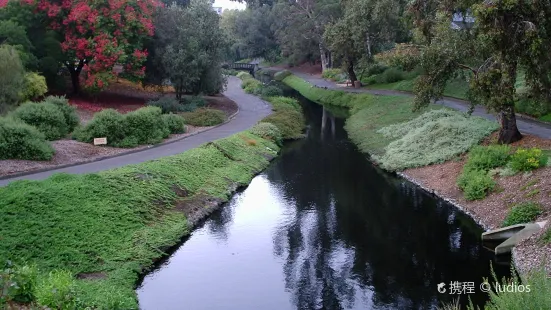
point(187, 49)
point(22, 141)
point(204, 117)
point(12, 79)
point(47, 117)
point(523, 213)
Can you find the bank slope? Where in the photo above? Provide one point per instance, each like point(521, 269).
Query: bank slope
point(98, 232)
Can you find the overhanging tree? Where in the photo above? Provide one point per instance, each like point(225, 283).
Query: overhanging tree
point(507, 35)
point(99, 34)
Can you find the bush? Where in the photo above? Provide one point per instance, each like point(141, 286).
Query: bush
point(251, 86)
point(528, 159)
point(107, 123)
point(268, 131)
point(523, 213)
point(17, 283)
point(282, 103)
point(193, 103)
point(332, 74)
point(47, 117)
point(391, 75)
point(376, 68)
point(57, 291)
point(167, 105)
point(69, 112)
point(229, 72)
point(12, 79)
point(487, 157)
point(433, 137)
point(204, 117)
point(33, 87)
point(144, 126)
point(475, 184)
point(244, 75)
point(174, 123)
point(271, 91)
point(289, 122)
point(279, 76)
point(22, 141)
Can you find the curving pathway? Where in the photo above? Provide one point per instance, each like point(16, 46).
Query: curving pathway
point(525, 125)
point(251, 110)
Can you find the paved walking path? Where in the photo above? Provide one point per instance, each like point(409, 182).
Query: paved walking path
point(251, 110)
point(525, 125)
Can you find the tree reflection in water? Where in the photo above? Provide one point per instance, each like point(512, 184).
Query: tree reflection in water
point(359, 238)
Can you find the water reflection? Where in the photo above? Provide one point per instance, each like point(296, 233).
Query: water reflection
point(322, 229)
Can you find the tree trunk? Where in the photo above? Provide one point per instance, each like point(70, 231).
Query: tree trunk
point(75, 75)
point(325, 56)
point(508, 133)
point(351, 73)
point(368, 46)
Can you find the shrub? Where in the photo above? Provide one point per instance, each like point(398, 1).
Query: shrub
point(375, 68)
point(17, 283)
point(391, 75)
point(167, 105)
point(57, 291)
point(12, 78)
point(487, 157)
point(144, 126)
point(279, 76)
point(47, 117)
point(244, 75)
point(204, 117)
point(271, 91)
point(22, 141)
point(528, 159)
point(433, 137)
point(405, 56)
point(523, 213)
point(174, 123)
point(251, 86)
point(33, 87)
point(229, 72)
point(289, 122)
point(107, 123)
point(331, 74)
point(475, 184)
point(282, 103)
point(268, 131)
point(193, 103)
point(69, 112)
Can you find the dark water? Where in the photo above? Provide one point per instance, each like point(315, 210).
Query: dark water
point(322, 228)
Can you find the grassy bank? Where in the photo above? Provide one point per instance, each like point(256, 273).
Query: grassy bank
point(91, 235)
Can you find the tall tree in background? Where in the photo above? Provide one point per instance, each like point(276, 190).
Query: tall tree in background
point(507, 35)
point(302, 24)
point(365, 27)
point(188, 49)
point(97, 35)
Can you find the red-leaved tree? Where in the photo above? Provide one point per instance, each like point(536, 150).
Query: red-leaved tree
point(96, 35)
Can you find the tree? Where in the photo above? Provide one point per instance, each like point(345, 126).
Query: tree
point(15, 35)
point(188, 49)
point(301, 24)
point(11, 77)
point(507, 35)
point(97, 35)
point(365, 27)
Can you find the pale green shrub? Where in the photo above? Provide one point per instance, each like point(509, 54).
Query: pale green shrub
point(433, 137)
point(244, 75)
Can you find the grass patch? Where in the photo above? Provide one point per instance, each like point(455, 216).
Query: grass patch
point(116, 223)
point(529, 183)
point(523, 213)
point(287, 117)
point(532, 193)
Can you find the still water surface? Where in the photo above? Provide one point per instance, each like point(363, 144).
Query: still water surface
point(322, 228)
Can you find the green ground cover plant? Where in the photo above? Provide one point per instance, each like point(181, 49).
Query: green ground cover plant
point(476, 184)
point(332, 74)
point(528, 159)
point(268, 131)
point(204, 117)
point(91, 235)
point(433, 137)
point(281, 75)
point(287, 117)
point(23, 141)
point(525, 212)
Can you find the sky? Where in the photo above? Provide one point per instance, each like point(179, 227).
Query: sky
point(227, 4)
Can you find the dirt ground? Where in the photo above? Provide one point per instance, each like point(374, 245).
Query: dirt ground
point(491, 211)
